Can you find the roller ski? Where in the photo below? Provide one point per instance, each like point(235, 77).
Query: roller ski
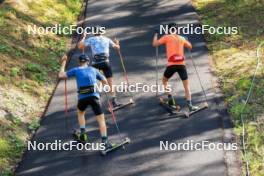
point(173, 109)
point(79, 136)
point(109, 147)
point(116, 106)
point(195, 109)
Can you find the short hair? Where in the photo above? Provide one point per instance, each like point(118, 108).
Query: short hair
point(171, 25)
point(84, 58)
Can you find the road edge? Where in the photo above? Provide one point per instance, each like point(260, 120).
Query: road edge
point(75, 38)
point(232, 158)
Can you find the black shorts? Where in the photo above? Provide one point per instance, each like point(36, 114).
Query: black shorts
point(181, 69)
point(93, 101)
point(105, 67)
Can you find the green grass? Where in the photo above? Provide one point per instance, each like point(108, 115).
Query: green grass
point(11, 148)
point(234, 58)
point(33, 125)
point(28, 69)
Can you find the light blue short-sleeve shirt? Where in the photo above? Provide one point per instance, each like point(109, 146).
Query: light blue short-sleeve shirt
point(99, 44)
point(85, 76)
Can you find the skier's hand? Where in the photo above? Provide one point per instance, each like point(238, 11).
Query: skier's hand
point(62, 73)
point(117, 44)
point(84, 34)
point(104, 82)
point(116, 41)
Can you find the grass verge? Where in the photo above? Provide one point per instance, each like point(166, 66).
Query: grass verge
point(28, 68)
point(234, 59)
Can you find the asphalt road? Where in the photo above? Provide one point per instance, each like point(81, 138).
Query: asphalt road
point(133, 22)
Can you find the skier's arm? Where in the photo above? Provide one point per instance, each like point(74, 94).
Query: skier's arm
point(62, 73)
point(187, 44)
point(81, 44)
point(157, 42)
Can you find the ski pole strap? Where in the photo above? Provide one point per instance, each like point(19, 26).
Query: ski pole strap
point(86, 89)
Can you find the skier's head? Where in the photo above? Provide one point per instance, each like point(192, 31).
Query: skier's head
point(83, 59)
point(97, 30)
point(172, 28)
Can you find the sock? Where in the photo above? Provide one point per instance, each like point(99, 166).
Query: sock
point(104, 139)
point(189, 102)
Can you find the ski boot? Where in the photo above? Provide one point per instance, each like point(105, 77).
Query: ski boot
point(171, 102)
point(193, 108)
point(108, 145)
point(80, 137)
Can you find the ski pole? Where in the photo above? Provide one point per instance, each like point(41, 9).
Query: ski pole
point(157, 74)
point(66, 104)
point(113, 117)
point(198, 76)
point(125, 72)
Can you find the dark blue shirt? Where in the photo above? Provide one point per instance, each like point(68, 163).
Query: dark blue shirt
point(85, 76)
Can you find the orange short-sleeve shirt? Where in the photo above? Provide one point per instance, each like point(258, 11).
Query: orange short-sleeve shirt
point(174, 46)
